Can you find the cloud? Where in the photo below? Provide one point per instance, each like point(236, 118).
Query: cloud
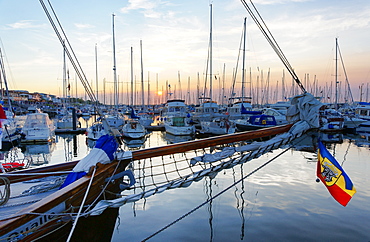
point(84, 26)
point(24, 24)
point(139, 4)
point(147, 6)
point(271, 2)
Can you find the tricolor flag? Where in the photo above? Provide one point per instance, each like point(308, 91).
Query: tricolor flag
point(333, 176)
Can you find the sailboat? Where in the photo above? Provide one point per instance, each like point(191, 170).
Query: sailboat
point(102, 172)
point(331, 119)
point(145, 119)
point(113, 119)
point(8, 124)
point(133, 129)
point(66, 120)
point(209, 111)
point(240, 107)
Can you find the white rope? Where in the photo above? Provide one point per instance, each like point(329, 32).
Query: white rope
point(185, 181)
point(81, 206)
point(4, 196)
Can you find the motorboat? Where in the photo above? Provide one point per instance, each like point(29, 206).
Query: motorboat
point(133, 129)
point(176, 119)
point(217, 126)
point(38, 128)
point(330, 120)
point(363, 112)
point(255, 122)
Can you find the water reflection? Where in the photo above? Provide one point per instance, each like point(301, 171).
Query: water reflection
point(241, 202)
point(208, 190)
point(172, 139)
point(134, 144)
point(331, 138)
point(69, 142)
point(363, 140)
point(308, 142)
point(273, 206)
point(39, 154)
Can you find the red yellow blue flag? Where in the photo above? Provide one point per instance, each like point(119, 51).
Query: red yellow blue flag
point(333, 176)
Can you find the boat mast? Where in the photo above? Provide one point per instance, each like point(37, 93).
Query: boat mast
point(223, 86)
point(243, 64)
point(2, 74)
point(115, 92)
point(96, 73)
point(142, 74)
point(132, 79)
point(336, 73)
point(210, 55)
point(64, 75)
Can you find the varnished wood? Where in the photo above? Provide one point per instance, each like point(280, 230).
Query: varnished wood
point(209, 142)
point(160, 151)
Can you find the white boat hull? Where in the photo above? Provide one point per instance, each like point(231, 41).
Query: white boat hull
point(176, 130)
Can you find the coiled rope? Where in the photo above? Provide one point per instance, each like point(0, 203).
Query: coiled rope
point(5, 194)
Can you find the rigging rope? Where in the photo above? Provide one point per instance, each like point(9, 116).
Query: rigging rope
point(216, 162)
point(217, 195)
point(345, 74)
point(59, 31)
point(82, 205)
point(68, 49)
point(271, 40)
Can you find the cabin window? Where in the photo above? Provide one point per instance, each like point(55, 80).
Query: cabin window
point(178, 121)
point(363, 112)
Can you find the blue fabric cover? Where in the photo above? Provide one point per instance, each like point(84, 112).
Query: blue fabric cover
point(74, 176)
point(107, 143)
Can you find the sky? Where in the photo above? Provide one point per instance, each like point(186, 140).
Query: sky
point(175, 40)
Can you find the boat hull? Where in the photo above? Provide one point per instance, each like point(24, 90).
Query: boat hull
point(174, 130)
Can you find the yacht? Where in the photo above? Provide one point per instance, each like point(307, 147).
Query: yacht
point(38, 128)
point(363, 112)
point(133, 129)
point(176, 119)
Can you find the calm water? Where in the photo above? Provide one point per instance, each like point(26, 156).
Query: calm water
point(280, 202)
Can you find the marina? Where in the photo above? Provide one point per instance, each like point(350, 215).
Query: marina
point(267, 204)
point(237, 156)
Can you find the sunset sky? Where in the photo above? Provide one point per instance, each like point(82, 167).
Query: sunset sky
point(175, 37)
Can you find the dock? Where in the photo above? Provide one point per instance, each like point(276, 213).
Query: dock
point(70, 131)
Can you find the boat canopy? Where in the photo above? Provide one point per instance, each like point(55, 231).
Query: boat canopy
point(37, 120)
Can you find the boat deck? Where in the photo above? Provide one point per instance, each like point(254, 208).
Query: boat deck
point(23, 194)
